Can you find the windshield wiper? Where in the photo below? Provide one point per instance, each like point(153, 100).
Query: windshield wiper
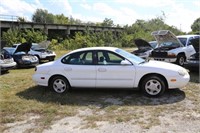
point(142, 62)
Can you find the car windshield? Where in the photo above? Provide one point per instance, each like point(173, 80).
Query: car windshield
point(183, 40)
point(10, 50)
point(35, 46)
point(153, 44)
point(169, 44)
point(133, 58)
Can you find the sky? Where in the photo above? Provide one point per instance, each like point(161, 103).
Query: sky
point(178, 13)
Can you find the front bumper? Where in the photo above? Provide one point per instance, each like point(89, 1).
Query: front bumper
point(28, 63)
point(180, 82)
point(7, 66)
point(164, 59)
point(192, 64)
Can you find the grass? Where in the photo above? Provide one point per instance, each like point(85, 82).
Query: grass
point(20, 99)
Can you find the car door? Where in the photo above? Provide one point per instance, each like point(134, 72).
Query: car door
point(189, 48)
point(80, 69)
point(111, 73)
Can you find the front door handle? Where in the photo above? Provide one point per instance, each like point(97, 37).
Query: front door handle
point(102, 69)
point(67, 68)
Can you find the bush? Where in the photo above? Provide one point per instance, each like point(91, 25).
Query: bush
point(13, 36)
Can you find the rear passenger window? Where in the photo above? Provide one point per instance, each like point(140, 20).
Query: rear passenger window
point(81, 58)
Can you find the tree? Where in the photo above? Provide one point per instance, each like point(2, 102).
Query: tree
point(196, 25)
point(107, 22)
point(61, 19)
point(13, 36)
point(21, 19)
point(42, 16)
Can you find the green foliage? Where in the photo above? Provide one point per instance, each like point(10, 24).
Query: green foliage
point(61, 19)
point(13, 36)
point(196, 26)
point(107, 23)
point(42, 16)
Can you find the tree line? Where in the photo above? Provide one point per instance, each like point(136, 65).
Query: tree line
point(139, 29)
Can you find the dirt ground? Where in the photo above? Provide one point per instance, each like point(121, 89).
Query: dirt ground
point(178, 111)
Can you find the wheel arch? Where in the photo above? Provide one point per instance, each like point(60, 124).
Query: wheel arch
point(181, 53)
point(56, 75)
point(153, 74)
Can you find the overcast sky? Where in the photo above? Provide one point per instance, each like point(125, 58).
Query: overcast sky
point(179, 13)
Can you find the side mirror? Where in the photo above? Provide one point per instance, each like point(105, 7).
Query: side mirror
point(125, 62)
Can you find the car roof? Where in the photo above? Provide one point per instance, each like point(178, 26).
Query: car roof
point(94, 48)
point(187, 36)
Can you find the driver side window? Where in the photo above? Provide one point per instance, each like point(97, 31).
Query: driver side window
point(109, 58)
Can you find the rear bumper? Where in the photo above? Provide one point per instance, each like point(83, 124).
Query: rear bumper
point(41, 79)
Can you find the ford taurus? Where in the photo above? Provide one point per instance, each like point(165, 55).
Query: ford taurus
point(109, 67)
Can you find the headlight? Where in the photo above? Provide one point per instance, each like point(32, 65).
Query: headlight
point(1, 61)
point(142, 54)
point(192, 57)
point(182, 72)
point(171, 55)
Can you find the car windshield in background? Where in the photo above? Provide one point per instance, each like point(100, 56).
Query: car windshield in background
point(35, 46)
point(10, 50)
point(133, 58)
point(169, 44)
point(183, 40)
point(153, 44)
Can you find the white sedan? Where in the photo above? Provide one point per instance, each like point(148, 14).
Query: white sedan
point(109, 67)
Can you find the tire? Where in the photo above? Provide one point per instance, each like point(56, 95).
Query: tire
point(153, 86)
point(180, 60)
point(59, 84)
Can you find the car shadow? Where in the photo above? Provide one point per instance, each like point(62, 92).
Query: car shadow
point(100, 97)
point(194, 77)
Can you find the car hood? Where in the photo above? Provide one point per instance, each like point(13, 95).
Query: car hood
point(162, 36)
point(24, 47)
point(140, 43)
point(161, 65)
point(195, 42)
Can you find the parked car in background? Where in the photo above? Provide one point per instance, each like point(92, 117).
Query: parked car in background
point(6, 61)
point(170, 48)
point(109, 67)
point(41, 51)
point(144, 48)
point(186, 39)
point(192, 63)
point(21, 56)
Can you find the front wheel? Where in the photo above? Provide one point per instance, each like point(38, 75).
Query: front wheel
point(180, 60)
point(153, 86)
point(59, 84)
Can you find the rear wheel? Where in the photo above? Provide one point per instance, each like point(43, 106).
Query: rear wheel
point(180, 60)
point(59, 84)
point(153, 86)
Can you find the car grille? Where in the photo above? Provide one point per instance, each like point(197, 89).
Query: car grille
point(158, 54)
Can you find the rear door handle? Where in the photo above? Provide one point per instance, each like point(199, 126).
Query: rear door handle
point(102, 69)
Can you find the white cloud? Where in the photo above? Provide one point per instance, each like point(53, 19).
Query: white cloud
point(181, 17)
point(196, 3)
point(147, 3)
point(85, 5)
point(59, 6)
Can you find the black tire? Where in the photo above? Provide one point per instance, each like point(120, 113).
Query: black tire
point(180, 60)
point(38, 58)
point(59, 84)
point(153, 86)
